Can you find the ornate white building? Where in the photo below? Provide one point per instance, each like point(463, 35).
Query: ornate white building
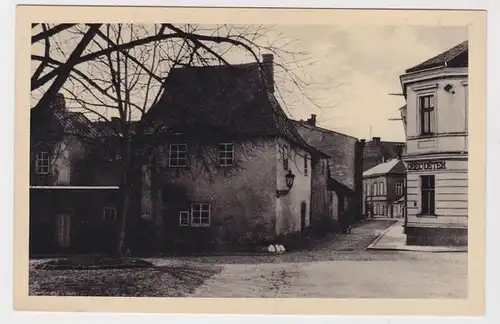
point(435, 118)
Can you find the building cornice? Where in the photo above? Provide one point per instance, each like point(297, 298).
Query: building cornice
point(451, 155)
point(425, 87)
point(449, 134)
point(433, 74)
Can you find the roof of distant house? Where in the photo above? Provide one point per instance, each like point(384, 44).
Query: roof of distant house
point(70, 122)
point(317, 128)
point(391, 166)
point(230, 101)
point(456, 56)
point(374, 149)
point(323, 139)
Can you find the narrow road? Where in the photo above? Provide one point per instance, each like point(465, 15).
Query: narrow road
point(338, 267)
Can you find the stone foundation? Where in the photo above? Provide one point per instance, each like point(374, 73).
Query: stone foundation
point(436, 236)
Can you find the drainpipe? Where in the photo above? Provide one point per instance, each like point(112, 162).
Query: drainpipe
point(406, 201)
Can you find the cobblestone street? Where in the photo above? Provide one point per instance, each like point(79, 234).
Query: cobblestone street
point(339, 267)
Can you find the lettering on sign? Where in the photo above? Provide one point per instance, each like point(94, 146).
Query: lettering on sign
point(426, 165)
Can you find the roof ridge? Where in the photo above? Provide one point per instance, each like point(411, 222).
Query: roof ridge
point(444, 56)
point(323, 129)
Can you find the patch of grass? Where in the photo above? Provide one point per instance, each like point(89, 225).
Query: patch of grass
point(93, 263)
point(165, 281)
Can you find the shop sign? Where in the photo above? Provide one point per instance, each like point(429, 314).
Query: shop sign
point(426, 165)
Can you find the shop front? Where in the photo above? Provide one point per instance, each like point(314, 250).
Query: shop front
point(437, 200)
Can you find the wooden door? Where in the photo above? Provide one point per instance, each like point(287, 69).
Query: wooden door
point(63, 230)
point(176, 220)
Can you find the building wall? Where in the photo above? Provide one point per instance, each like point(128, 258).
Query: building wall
point(288, 207)
point(343, 162)
point(448, 146)
point(88, 231)
point(71, 164)
point(242, 198)
point(451, 196)
point(321, 198)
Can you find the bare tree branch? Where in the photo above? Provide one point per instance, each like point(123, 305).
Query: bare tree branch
point(50, 32)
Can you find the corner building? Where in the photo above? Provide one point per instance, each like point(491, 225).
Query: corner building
point(436, 159)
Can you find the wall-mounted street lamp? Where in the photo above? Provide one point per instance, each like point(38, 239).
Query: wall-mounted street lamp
point(448, 88)
point(290, 177)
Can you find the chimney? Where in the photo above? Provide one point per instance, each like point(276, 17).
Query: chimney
point(376, 140)
point(312, 121)
point(268, 71)
point(59, 103)
point(399, 151)
point(115, 123)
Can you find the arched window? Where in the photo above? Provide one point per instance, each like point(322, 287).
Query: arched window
point(374, 188)
point(381, 188)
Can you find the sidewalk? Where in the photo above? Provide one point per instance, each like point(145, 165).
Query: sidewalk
point(394, 239)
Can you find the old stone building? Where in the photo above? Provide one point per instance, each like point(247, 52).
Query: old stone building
point(344, 166)
point(435, 116)
point(73, 184)
point(234, 173)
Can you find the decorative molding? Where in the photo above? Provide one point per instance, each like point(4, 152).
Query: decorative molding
point(426, 144)
point(438, 73)
point(425, 87)
point(449, 134)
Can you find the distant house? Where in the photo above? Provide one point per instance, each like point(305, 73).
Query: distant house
point(384, 189)
point(73, 183)
point(343, 170)
point(219, 178)
point(377, 151)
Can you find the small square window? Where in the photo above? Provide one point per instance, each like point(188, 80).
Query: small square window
point(42, 163)
point(226, 154)
point(177, 155)
point(200, 214)
point(184, 218)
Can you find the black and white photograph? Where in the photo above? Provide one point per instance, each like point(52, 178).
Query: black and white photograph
point(194, 160)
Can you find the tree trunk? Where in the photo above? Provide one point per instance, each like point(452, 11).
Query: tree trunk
point(123, 222)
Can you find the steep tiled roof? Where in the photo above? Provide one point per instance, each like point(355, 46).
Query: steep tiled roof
point(333, 144)
point(456, 57)
point(392, 166)
point(67, 122)
point(225, 100)
point(75, 123)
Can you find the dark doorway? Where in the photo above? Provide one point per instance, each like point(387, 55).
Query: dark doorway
point(341, 209)
point(303, 209)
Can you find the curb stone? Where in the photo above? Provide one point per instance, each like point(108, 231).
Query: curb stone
point(415, 248)
point(378, 238)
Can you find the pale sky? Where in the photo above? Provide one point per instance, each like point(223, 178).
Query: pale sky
point(348, 71)
point(358, 67)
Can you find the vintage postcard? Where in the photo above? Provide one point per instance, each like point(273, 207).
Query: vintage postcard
point(213, 160)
